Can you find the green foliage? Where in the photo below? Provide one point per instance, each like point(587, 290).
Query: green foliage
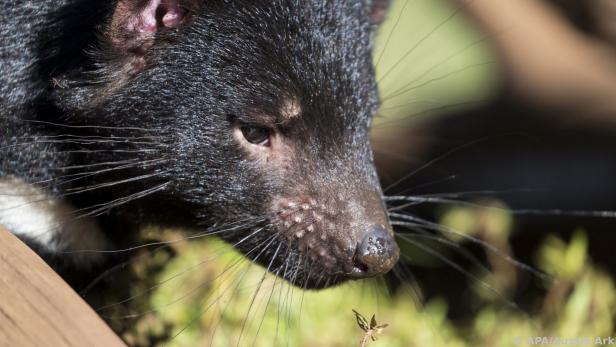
point(562, 260)
point(211, 296)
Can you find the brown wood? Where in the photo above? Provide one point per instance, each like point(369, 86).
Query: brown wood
point(37, 308)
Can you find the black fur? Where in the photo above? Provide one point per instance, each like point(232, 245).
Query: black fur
point(67, 102)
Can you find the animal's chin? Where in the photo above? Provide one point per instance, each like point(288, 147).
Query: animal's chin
point(318, 282)
point(300, 273)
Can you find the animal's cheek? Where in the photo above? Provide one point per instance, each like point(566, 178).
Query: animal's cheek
point(277, 157)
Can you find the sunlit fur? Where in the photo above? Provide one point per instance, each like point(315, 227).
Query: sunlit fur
point(157, 147)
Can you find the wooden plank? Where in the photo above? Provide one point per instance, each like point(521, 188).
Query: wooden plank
point(37, 308)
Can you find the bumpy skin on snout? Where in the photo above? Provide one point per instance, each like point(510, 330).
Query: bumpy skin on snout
point(248, 115)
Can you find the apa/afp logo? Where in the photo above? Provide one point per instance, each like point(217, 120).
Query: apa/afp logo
point(568, 341)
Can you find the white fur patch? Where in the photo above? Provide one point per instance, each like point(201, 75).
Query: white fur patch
point(27, 211)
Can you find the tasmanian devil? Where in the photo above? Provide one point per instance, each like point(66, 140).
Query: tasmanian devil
point(245, 118)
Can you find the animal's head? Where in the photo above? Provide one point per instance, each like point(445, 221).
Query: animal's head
point(263, 109)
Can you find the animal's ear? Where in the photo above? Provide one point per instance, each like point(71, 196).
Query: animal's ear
point(378, 10)
point(134, 24)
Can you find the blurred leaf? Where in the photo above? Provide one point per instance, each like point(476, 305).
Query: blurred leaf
point(562, 260)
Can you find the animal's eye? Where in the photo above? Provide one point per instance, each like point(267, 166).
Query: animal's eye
point(256, 135)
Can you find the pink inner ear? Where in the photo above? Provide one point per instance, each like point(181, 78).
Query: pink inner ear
point(134, 24)
point(156, 14)
point(173, 14)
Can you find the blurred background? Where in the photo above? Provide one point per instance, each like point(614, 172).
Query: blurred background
point(496, 144)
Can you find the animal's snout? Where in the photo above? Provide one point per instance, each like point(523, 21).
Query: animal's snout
point(339, 237)
point(376, 254)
